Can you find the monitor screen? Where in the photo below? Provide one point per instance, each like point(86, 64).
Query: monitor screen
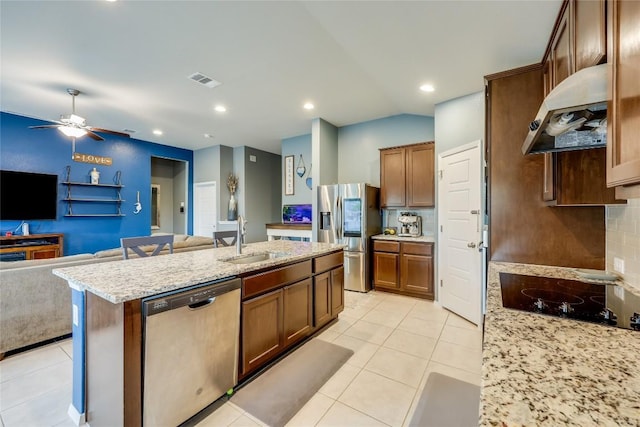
point(28, 196)
point(352, 217)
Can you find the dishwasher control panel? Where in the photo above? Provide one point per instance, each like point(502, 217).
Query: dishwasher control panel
point(194, 298)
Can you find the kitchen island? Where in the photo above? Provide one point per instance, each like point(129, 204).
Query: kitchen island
point(539, 370)
point(108, 315)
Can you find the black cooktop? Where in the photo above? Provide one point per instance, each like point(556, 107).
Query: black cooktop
point(606, 304)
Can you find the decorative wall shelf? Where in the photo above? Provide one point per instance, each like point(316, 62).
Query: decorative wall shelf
point(85, 199)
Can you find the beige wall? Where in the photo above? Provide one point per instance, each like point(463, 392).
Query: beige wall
point(623, 239)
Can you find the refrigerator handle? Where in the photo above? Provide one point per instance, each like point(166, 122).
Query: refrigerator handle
point(339, 217)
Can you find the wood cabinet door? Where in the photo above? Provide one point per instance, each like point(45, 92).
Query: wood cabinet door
point(590, 27)
point(561, 51)
point(297, 311)
point(623, 113)
point(420, 176)
point(416, 274)
point(392, 177)
point(262, 329)
point(385, 270)
point(322, 299)
point(580, 178)
point(337, 291)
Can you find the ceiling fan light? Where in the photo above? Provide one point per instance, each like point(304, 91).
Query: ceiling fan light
point(76, 120)
point(72, 131)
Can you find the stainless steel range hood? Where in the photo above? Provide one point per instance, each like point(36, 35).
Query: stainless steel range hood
point(573, 116)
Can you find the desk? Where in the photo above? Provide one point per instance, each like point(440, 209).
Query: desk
point(302, 231)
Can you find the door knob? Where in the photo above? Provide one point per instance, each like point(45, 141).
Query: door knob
point(471, 245)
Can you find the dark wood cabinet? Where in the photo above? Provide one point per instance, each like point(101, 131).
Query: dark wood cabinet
point(589, 29)
point(297, 311)
point(623, 149)
point(328, 289)
point(404, 267)
point(573, 178)
point(34, 246)
point(407, 176)
point(262, 329)
point(393, 177)
point(416, 269)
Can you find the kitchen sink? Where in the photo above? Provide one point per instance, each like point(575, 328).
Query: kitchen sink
point(256, 257)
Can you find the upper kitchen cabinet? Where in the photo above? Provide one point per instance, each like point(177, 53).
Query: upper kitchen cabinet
point(407, 176)
point(578, 41)
point(623, 148)
point(589, 29)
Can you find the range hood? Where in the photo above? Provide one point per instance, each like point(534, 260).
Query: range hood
point(573, 116)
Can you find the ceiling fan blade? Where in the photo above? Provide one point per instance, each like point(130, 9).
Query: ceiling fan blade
point(44, 126)
point(94, 136)
point(112, 132)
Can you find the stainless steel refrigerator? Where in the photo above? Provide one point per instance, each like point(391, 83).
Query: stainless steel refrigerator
point(350, 214)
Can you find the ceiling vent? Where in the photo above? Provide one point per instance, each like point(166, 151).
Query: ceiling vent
point(204, 80)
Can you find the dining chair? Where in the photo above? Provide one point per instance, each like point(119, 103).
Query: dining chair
point(220, 238)
point(135, 244)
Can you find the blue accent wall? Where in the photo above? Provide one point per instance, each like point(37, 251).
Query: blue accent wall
point(48, 151)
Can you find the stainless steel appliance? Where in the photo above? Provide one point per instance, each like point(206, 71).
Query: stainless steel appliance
point(604, 303)
point(350, 214)
point(411, 224)
point(190, 350)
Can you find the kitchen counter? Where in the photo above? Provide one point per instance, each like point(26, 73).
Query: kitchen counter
point(396, 238)
point(545, 371)
point(126, 280)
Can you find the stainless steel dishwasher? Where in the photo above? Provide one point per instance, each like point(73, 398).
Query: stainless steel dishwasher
point(191, 341)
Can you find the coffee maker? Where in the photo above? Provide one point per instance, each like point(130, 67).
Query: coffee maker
point(411, 224)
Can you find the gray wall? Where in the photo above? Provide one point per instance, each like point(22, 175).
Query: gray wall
point(296, 146)
point(215, 164)
point(459, 121)
point(359, 157)
point(171, 176)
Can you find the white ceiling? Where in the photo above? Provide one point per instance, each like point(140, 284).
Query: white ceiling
point(356, 61)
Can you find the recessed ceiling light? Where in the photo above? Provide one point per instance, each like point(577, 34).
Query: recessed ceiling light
point(208, 135)
point(157, 132)
point(220, 108)
point(308, 106)
point(427, 88)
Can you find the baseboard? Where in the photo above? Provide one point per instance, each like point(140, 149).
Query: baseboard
point(77, 418)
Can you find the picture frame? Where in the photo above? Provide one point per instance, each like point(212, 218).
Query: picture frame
point(288, 175)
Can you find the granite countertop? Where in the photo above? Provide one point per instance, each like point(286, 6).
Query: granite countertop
point(396, 238)
point(126, 280)
point(545, 371)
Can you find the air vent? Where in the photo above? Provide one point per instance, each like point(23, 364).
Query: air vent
point(204, 80)
point(128, 131)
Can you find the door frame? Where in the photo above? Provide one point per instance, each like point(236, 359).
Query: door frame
point(479, 143)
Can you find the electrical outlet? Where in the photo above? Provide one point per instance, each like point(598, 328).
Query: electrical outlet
point(618, 265)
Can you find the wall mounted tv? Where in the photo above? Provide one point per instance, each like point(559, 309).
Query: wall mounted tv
point(28, 196)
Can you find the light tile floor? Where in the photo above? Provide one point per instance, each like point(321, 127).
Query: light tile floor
point(397, 341)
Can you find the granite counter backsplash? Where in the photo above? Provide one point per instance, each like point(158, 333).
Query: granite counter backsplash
point(120, 281)
point(540, 370)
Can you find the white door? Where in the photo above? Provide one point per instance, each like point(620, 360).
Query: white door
point(205, 212)
point(460, 223)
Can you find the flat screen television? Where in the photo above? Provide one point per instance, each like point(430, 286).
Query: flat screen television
point(28, 196)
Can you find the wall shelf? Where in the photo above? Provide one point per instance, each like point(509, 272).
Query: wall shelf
point(92, 193)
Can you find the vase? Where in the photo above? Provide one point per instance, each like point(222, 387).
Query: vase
point(232, 213)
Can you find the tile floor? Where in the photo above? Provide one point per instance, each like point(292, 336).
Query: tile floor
point(397, 342)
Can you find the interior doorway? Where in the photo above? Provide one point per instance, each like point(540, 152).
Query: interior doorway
point(169, 189)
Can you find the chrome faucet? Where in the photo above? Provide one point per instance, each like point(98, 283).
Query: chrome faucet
point(242, 230)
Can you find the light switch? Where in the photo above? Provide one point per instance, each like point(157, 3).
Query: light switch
point(618, 265)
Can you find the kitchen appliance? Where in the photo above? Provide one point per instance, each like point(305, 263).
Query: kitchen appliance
point(190, 354)
point(573, 115)
point(604, 303)
point(411, 224)
point(349, 214)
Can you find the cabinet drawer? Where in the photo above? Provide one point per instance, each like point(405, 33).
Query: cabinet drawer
point(327, 262)
point(259, 283)
point(384, 246)
point(417, 248)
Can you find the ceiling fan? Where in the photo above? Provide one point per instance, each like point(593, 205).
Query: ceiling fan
point(75, 126)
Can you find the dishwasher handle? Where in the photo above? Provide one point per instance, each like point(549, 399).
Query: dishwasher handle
point(201, 304)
